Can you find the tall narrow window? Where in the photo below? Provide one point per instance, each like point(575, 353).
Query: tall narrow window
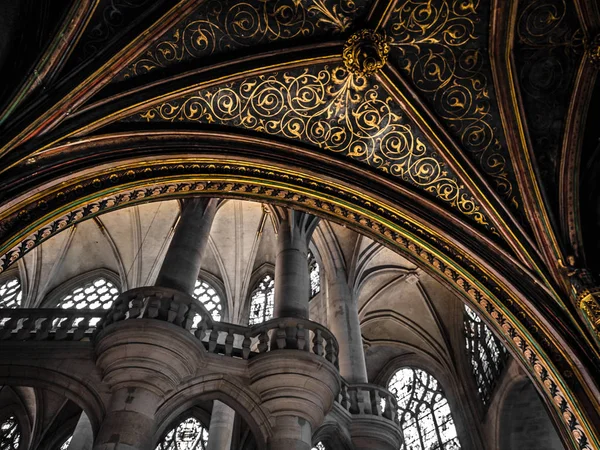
point(10, 434)
point(261, 304)
point(209, 298)
point(97, 293)
point(424, 412)
point(189, 434)
point(10, 293)
point(486, 353)
point(314, 272)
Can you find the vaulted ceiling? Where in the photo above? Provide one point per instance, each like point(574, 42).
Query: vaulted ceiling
point(476, 117)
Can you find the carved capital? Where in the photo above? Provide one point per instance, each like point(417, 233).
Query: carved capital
point(593, 51)
point(366, 52)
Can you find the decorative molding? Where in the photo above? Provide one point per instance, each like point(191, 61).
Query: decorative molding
point(593, 51)
point(366, 52)
point(501, 308)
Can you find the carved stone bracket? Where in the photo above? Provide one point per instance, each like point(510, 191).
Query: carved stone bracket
point(366, 52)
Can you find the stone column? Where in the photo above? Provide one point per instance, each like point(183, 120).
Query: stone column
point(342, 319)
point(181, 266)
point(292, 284)
point(221, 427)
point(83, 436)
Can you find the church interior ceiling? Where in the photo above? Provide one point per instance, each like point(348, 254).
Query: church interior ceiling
point(460, 130)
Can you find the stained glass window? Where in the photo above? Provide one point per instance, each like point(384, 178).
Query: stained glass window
point(65, 445)
point(209, 298)
point(10, 434)
point(189, 434)
point(319, 446)
point(423, 410)
point(98, 293)
point(261, 304)
point(315, 275)
point(486, 353)
point(10, 293)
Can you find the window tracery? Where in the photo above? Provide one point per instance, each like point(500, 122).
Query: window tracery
point(319, 446)
point(189, 434)
point(10, 293)
point(315, 275)
point(65, 445)
point(10, 434)
point(209, 298)
point(487, 355)
point(424, 412)
point(97, 293)
point(262, 299)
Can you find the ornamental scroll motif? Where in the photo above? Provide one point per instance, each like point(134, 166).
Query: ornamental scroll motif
point(440, 46)
point(331, 109)
point(222, 26)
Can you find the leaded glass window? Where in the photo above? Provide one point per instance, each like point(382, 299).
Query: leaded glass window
point(10, 434)
point(423, 410)
point(319, 446)
point(314, 272)
point(189, 434)
point(261, 304)
point(486, 353)
point(65, 445)
point(10, 293)
point(97, 293)
point(209, 298)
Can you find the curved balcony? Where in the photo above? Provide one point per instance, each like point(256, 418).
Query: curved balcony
point(219, 337)
point(370, 400)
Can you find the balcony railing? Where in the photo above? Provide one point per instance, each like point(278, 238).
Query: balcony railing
point(370, 400)
point(48, 324)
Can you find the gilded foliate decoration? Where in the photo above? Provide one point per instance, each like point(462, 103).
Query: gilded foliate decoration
point(441, 48)
point(332, 109)
point(590, 305)
point(548, 50)
point(534, 356)
point(366, 52)
point(593, 51)
point(219, 26)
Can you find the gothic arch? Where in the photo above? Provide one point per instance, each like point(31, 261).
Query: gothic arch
point(383, 211)
point(54, 296)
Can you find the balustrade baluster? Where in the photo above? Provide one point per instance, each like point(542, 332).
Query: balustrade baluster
point(246, 346)
point(212, 341)
point(263, 339)
point(44, 328)
point(190, 316)
point(201, 330)
point(280, 335)
point(152, 310)
point(376, 403)
point(25, 332)
point(135, 307)
point(64, 327)
point(318, 343)
point(301, 337)
point(82, 327)
point(229, 343)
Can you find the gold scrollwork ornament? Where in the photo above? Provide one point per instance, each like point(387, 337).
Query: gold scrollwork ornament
point(593, 51)
point(366, 52)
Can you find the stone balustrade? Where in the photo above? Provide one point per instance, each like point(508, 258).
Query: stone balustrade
point(48, 324)
point(369, 399)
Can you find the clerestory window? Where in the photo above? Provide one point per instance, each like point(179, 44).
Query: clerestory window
point(189, 434)
point(10, 293)
point(10, 434)
point(423, 410)
point(261, 303)
point(314, 272)
point(209, 297)
point(96, 293)
point(319, 446)
point(65, 445)
point(486, 353)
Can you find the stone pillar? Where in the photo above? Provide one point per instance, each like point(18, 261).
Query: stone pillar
point(342, 319)
point(129, 423)
point(221, 427)
point(181, 266)
point(292, 284)
point(291, 433)
point(83, 436)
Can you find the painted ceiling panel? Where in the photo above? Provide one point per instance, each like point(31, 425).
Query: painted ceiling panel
point(441, 49)
point(326, 106)
point(218, 27)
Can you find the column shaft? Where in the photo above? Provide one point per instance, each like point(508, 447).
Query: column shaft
point(291, 433)
point(342, 319)
point(292, 286)
point(221, 427)
point(181, 265)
